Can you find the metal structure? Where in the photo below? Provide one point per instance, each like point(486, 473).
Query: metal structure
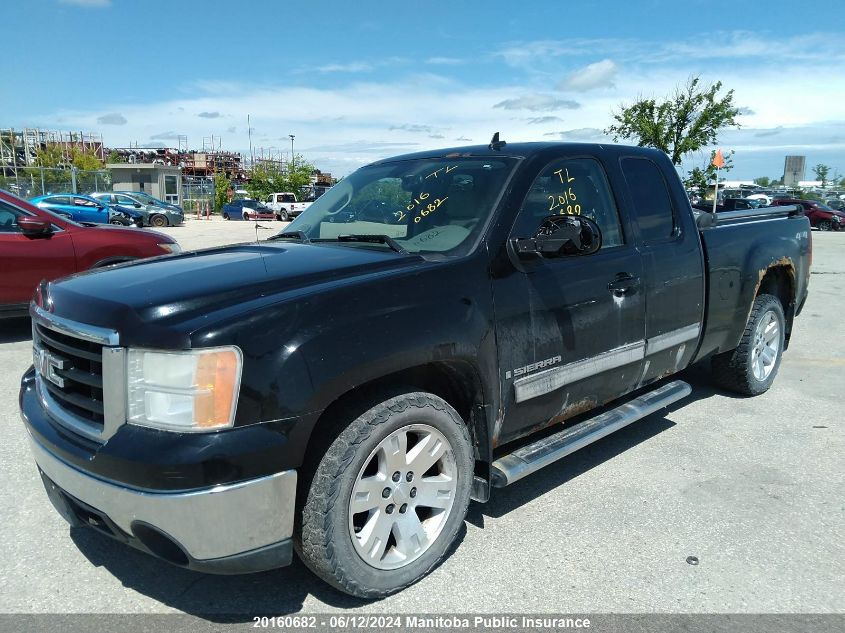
point(793, 170)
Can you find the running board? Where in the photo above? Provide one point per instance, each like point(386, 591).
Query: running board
point(528, 459)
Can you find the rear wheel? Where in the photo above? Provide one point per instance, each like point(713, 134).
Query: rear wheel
point(282, 216)
point(751, 368)
point(158, 221)
point(387, 499)
point(225, 216)
point(824, 225)
point(117, 222)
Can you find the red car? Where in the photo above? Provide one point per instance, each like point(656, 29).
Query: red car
point(37, 245)
point(821, 216)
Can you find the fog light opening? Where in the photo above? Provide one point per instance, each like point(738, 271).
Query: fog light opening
point(159, 544)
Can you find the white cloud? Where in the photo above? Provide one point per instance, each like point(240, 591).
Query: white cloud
point(209, 115)
point(538, 103)
point(112, 118)
point(540, 120)
point(351, 67)
point(597, 75)
point(445, 61)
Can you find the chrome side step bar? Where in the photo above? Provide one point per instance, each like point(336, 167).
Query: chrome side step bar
point(528, 459)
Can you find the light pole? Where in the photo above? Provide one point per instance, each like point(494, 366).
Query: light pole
point(291, 136)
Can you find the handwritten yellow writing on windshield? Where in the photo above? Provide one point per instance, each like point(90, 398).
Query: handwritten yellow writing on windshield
point(447, 169)
point(431, 207)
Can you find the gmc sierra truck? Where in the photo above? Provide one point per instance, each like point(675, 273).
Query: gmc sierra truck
point(345, 387)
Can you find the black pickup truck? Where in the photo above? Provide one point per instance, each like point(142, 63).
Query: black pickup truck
point(435, 326)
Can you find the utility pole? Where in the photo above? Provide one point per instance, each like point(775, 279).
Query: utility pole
point(249, 132)
point(291, 150)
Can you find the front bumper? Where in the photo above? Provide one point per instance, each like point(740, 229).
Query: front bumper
point(227, 529)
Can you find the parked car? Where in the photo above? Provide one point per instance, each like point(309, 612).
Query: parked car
point(836, 204)
point(734, 204)
point(821, 216)
point(285, 205)
point(351, 386)
point(153, 200)
point(764, 199)
point(153, 214)
point(37, 245)
point(85, 209)
point(246, 210)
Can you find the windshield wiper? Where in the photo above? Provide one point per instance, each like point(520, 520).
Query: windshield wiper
point(299, 235)
point(372, 239)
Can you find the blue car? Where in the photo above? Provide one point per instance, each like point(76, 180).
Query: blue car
point(86, 209)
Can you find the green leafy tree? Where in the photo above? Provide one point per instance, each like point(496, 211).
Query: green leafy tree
point(221, 186)
point(115, 157)
point(684, 122)
point(700, 179)
point(763, 181)
point(298, 175)
point(822, 172)
point(266, 178)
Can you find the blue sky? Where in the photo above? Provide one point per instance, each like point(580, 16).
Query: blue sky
point(355, 81)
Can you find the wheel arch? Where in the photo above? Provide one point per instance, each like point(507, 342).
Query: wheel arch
point(778, 280)
point(456, 381)
point(108, 261)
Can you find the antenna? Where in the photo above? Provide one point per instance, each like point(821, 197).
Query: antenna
point(495, 143)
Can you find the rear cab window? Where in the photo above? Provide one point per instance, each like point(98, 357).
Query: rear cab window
point(653, 208)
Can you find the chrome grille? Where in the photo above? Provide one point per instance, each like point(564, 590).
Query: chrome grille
point(72, 373)
point(80, 375)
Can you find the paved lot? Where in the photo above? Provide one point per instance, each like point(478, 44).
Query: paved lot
point(752, 487)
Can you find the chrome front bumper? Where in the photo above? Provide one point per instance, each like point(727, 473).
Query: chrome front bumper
point(237, 528)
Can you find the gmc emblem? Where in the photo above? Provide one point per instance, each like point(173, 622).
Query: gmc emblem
point(47, 364)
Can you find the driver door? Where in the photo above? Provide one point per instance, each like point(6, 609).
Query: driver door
point(570, 329)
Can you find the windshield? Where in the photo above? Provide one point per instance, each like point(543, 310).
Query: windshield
point(433, 205)
point(145, 197)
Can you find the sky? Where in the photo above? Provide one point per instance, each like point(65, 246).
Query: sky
point(358, 81)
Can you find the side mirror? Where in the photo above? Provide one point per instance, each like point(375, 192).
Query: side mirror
point(137, 205)
point(561, 236)
point(34, 226)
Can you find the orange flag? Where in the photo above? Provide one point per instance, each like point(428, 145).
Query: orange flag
point(718, 160)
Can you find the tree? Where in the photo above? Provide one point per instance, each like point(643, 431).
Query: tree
point(266, 178)
point(115, 157)
point(684, 122)
point(221, 186)
point(763, 181)
point(822, 172)
point(701, 178)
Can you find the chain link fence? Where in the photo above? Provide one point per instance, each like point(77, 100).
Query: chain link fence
point(28, 182)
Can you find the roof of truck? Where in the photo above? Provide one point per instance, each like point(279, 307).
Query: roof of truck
point(521, 150)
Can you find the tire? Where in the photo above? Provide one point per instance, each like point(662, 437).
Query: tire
point(282, 216)
point(824, 225)
point(329, 536)
point(225, 216)
point(116, 222)
point(158, 221)
point(246, 217)
point(744, 370)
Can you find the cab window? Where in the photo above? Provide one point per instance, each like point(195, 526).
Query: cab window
point(650, 197)
point(573, 186)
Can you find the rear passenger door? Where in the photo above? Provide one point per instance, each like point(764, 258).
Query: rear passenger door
point(673, 266)
point(569, 329)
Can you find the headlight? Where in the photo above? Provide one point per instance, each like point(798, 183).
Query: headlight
point(170, 248)
point(189, 391)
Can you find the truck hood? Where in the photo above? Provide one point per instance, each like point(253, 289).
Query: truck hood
point(165, 298)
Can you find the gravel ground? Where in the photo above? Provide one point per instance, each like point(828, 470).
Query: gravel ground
point(751, 487)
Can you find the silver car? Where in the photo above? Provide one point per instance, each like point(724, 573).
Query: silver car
point(154, 215)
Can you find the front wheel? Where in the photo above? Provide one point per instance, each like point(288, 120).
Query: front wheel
point(225, 216)
point(117, 222)
point(388, 497)
point(158, 221)
point(751, 368)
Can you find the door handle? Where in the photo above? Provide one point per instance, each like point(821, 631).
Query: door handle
point(624, 284)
